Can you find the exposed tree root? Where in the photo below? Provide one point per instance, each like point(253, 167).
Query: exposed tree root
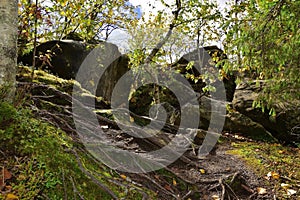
point(181, 180)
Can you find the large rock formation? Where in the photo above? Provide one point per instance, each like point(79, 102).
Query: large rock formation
point(64, 58)
point(204, 58)
point(285, 126)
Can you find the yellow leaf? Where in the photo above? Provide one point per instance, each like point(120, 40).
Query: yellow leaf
point(21, 177)
point(215, 197)
point(174, 182)
point(11, 197)
point(285, 186)
point(202, 171)
point(261, 190)
point(275, 175)
point(123, 176)
point(280, 151)
point(131, 119)
point(92, 83)
point(186, 28)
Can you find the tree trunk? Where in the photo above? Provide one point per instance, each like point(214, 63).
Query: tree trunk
point(8, 46)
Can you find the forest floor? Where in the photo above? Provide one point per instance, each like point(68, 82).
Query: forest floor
point(42, 157)
point(239, 168)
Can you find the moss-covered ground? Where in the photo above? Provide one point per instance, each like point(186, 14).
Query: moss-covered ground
point(41, 161)
point(277, 164)
point(43, 165)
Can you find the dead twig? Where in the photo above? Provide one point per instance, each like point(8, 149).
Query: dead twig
point(75, 191)
point(96, 181)
point(223, 188)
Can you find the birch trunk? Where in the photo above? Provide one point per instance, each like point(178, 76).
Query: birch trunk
point(8, 46)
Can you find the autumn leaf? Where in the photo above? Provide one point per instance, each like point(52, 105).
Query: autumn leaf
point(167, 187)
point(6, 174)
point(285, 186)
point(11, 197)
point(174, 182)
point(273, 175)
point(123, 176)
point(131, 119)
point(215, 197)
point(261, 190)
point(291, 192)
point(280, 152)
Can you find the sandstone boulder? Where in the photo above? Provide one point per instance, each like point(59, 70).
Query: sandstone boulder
point(284, 126)
point(64, 58)
point(204, 60)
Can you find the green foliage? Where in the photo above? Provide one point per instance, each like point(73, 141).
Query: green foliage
point(263, 37)
point(272, 158)
point(180, 28)
point(55, 19)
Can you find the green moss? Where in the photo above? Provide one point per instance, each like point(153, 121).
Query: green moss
point(270, 157)
point(40, 158)
point(64, 86)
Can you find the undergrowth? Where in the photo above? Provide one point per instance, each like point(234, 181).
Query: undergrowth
point(40, 159)
point(279, 165)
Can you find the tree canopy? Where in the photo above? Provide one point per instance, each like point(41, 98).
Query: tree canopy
point(261, 38)
point(58, 19)
point(264, 38)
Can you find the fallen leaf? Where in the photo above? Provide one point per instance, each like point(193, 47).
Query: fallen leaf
point(228, 169)
point(274, 175)
point(6, 174)
point(167, 187)
point(8, 187)
point(21, 177)
point(290, 192)
point(174, 182)
point(11, 197)
point(131, 119)
point(133, 100)
point(261, 190)
point(215, 197)
point(123, 176)
point(202, 171)
point(237, 136)
point(280, 152)
point(92, 82)
point(285, 186)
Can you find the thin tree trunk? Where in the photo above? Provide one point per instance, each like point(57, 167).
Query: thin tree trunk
point(8, 46)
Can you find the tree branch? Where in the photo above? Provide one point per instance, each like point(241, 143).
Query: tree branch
point(164, 40)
